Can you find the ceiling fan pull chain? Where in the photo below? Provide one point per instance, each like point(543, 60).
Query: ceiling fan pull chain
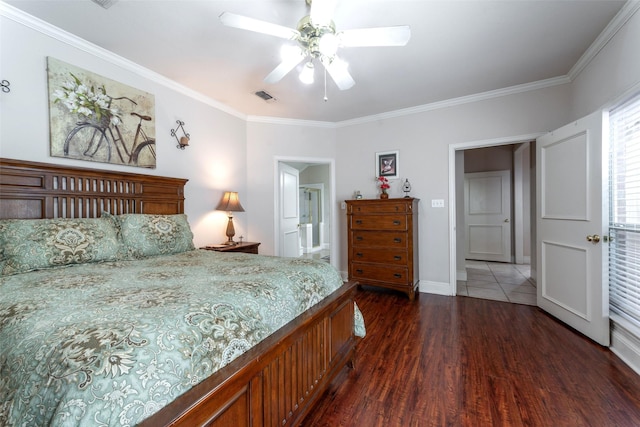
point(325, 84)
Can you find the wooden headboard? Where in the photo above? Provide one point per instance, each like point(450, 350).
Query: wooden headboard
point(31, 190)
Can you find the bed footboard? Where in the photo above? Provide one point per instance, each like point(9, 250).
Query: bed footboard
point(277, 382)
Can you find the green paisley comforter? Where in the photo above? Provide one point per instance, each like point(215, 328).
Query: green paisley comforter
point(111, 343)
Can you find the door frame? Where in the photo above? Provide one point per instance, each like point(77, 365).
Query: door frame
point(461, 146)
point(334, 247)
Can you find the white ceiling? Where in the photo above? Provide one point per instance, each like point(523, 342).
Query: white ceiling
point(457, 48)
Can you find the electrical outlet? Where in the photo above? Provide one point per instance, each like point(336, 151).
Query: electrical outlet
point(437, 203)
point(343, 205)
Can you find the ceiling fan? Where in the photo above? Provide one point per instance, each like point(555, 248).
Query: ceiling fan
point(317, 39)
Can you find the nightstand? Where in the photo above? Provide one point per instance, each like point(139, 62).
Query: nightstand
point(246, 247)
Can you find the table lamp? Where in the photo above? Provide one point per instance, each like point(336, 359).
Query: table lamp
point(230, 203)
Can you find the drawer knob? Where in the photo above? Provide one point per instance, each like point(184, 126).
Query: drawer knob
point(359, 254)
point(397, 275)
point(358, 221)
point(359, 238)
point(397, 240)
point(396, 222)
point(359, 271)
point(397, 257)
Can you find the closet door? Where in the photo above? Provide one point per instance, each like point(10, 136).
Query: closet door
point(487, 214)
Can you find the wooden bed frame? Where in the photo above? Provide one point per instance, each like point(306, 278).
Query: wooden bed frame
point(275, 383)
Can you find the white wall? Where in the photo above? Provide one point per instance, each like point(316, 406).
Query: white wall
point(423, 140)
point(615, 70)
point(214, 161)
point(266, 144)
point(228, 152)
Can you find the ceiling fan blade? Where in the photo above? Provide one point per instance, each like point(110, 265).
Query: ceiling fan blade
point(246, 23)
point(283, 69)
point(337, 69)
point(381, 36)
point(322, 12)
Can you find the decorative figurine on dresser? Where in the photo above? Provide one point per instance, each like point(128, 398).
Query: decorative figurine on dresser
point(383, 243)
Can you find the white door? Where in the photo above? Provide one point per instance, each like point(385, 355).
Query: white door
point(487, 214)
point(289, 213)
point(572, 214)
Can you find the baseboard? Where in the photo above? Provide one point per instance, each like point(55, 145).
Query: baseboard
point(461, 275)
point(625, 345)
point(438, 288)
point(425, 286)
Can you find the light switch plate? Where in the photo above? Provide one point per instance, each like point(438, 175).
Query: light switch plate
point(437, 203)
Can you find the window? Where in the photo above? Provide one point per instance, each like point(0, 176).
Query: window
point(624, 218)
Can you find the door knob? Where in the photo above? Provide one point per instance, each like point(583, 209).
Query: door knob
point(593, 238)
point(506, 220)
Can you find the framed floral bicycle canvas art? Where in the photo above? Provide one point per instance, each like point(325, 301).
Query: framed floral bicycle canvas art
point(388, 164)
point(97, 119)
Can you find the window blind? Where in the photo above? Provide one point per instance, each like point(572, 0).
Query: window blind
point(624, 216)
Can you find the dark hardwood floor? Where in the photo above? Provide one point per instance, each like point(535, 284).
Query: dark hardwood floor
point(460, 361)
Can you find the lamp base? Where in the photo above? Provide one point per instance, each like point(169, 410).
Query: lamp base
point(230, 232)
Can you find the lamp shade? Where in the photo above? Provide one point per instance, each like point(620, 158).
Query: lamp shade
point(230, 202)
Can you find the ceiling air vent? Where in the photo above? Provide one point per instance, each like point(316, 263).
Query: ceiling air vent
point(105, 3)
point(264, 95)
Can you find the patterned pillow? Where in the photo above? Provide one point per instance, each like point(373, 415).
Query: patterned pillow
point(34, 244)
point(148, 235)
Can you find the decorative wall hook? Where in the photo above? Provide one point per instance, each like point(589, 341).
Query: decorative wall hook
point(183, 141)
point(4, 84)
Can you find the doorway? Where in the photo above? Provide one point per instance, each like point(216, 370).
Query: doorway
point(312, 222)
point(316, 213)
point(475, 269)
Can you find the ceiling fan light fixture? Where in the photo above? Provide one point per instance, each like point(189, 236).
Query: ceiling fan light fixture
point(306, 75)
point(328, 44)
point(317, 39)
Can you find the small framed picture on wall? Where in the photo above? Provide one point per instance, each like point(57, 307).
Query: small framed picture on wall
point(388, 164)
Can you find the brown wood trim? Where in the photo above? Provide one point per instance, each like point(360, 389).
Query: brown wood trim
point(42, 190)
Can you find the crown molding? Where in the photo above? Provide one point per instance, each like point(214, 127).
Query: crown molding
point(511, 90)
point(618, 21)
point(60, 35)
point(290, 122)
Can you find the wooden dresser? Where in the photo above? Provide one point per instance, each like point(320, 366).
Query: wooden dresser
point(383, 243)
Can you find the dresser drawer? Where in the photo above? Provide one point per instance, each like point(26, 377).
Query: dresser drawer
point(378, 222)
point(386, 239)
point(379, 273)
point(380, 207)
point(379, 255)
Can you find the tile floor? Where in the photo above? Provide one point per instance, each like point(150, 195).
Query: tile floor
point(498, 281)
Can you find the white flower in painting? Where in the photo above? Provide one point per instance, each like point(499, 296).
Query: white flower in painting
point(85, 101)
point(82, 89)
point(85, 111)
